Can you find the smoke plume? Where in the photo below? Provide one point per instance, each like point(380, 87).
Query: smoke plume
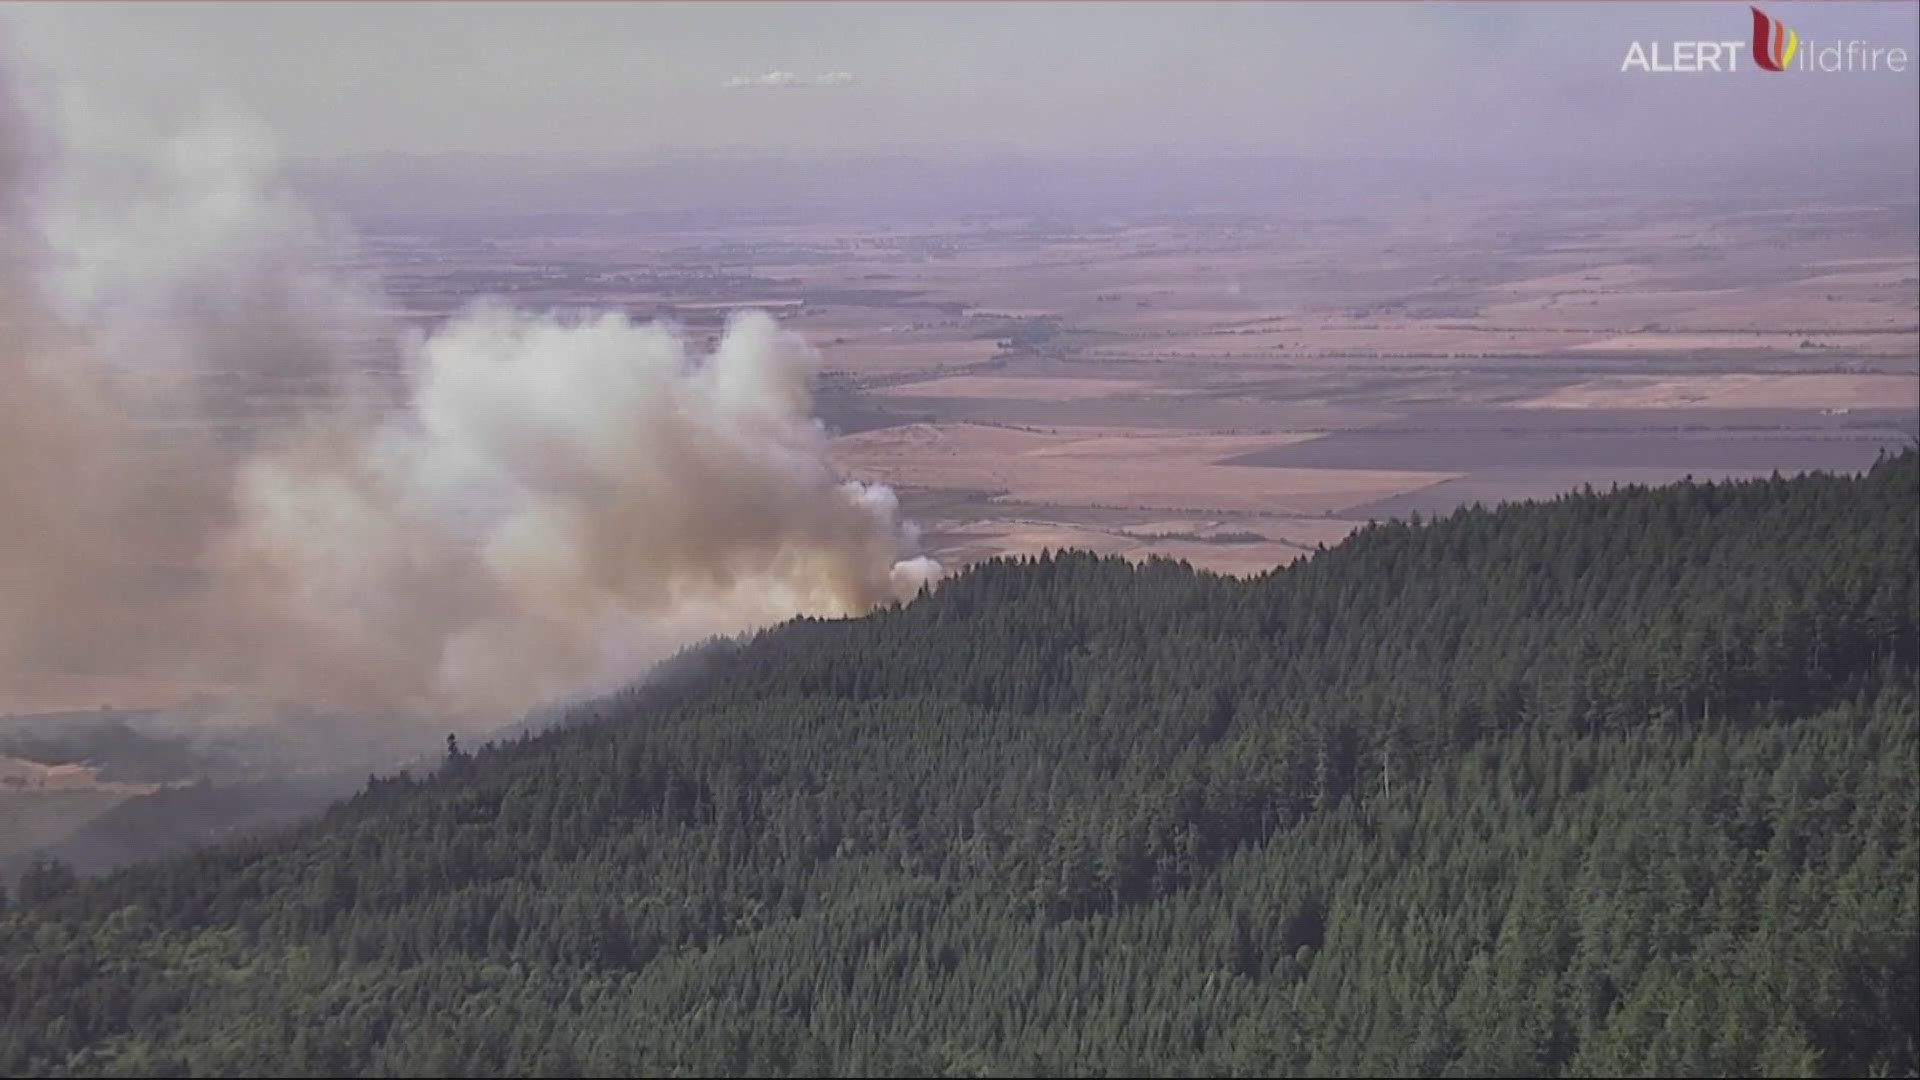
point(224, 466)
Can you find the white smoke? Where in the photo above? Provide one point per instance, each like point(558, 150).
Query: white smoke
point(239, 474)
point(564, 501)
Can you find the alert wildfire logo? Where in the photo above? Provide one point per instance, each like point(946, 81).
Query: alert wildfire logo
point(1776, 47)
point(1774, 43)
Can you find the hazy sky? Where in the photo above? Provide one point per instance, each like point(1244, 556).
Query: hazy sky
point(616, 82)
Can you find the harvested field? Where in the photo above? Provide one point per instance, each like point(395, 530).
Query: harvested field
point(1032, 388)
point(1737, 391)
point(19, 776)
point(1553, 451)
point(1893, 343)
point(1127, 469)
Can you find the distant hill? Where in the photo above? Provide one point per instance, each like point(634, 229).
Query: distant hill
point(98, 789)
point(1611, 784)
point(182, 817)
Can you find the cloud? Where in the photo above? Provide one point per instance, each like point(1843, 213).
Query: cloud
point(787, 80)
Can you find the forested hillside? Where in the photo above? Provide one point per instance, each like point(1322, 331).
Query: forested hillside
point(1618, 783)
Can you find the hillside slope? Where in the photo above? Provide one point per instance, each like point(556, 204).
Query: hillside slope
point(1616, 783)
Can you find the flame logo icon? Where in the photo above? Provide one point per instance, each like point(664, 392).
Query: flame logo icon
point(1773, 44)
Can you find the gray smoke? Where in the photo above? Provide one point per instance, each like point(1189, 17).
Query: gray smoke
point(224, 468)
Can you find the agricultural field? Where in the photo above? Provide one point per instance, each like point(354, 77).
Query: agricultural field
point(1268, 381)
